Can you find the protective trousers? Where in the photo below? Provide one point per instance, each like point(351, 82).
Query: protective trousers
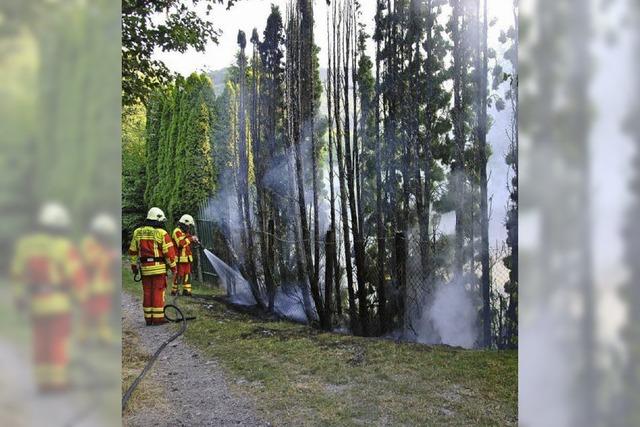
point(153, 299)
point(183, 277)
point(97, 312)
point(51, 334)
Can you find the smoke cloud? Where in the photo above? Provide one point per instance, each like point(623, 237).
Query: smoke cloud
point(451, 318)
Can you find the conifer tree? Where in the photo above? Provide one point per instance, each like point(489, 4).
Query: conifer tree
point(134, 179)
point(193, 181)
point(179, 168)
point(511, 221)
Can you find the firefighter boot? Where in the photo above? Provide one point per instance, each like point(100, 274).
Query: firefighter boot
point(177, 280)
point(186, 285)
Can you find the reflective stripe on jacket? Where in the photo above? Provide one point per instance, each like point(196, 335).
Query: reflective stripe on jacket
point(99, 260)
point(182, 242)
point(47, 272)
point(153, 248)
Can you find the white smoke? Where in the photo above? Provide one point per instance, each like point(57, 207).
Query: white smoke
point(289, 303)
point(451, 318)
point(546, 365)
point(222, 209)
point(276, 178)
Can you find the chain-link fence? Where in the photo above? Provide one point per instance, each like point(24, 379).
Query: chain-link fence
point(206, 232)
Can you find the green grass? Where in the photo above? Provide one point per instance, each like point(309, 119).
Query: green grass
point(301, 376)
point(14, 323)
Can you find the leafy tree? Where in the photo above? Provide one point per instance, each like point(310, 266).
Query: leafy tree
point(143, 33)
point(71, 150)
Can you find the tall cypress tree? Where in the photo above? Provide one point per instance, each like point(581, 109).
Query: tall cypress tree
point(134, 165)
point(482, 124)
point(243, 177)
point(458, 166)
point(192, 164)
point(179, 171)
point(511, 222)
point(154, 130)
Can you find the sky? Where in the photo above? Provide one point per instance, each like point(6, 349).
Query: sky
point(248, 14)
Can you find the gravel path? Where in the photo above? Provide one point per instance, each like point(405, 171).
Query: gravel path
point(196, 388)
point(22, 405)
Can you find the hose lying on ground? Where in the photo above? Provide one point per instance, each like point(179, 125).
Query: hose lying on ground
point(176, 319)
point(183, 319)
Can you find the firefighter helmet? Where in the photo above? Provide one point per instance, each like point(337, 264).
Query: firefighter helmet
point(156, 214)
point(187, 219)
point(55, 215)
point(103, 224)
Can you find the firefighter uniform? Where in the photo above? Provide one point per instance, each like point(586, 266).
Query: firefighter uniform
point(152, 247)
point(99, 260)
point(183, 242)
point(48, 276)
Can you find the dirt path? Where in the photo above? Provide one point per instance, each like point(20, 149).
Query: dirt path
point(195, 388)
point(22, 405)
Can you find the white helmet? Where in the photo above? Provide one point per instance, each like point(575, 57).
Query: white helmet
point(103, 224)
point(156, 214)
point(53, 214)
point(187, 219)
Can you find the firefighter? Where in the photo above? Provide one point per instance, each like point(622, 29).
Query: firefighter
point(151, 250)
point(99, 259)
point(48, 276)
point(183, 241)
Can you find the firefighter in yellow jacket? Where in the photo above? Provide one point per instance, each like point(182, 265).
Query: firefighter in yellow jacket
point(48, 278)
point(152, 248)
point(99, 256)
point(184, 240)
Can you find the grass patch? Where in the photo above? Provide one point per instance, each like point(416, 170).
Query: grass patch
point(301, 376)
point(15, 324)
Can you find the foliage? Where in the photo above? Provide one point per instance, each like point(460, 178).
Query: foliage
point(133, 169)
point(59, 120)
point(166, 25)
point(509, 39)
point(193, 162)
point(225, 129)
point(408, 144)
point(180, 126)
